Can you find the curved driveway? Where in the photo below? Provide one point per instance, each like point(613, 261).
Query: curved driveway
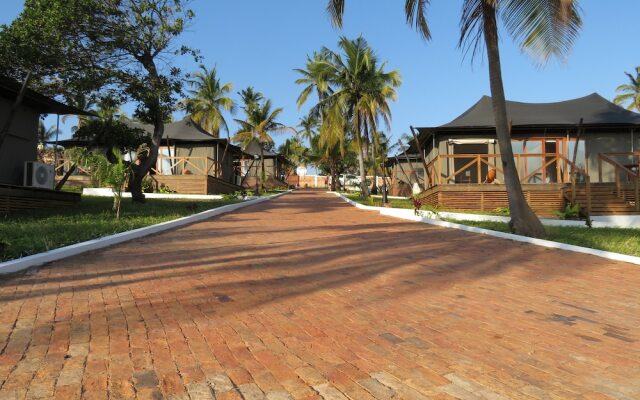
point(308, 297)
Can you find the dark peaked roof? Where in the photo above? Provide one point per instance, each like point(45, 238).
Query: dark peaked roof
point(184, 130)
point(10, 88)
point(593, 109)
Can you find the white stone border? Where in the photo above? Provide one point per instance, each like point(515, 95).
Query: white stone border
point(108, 192)
point(598, 221)
point(428, 218)
point(34, 260)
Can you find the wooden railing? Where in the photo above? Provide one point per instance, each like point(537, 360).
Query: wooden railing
point(629, 170)
point(529, 166)
point(65, 164)
point(441, 171)
point(187, 166)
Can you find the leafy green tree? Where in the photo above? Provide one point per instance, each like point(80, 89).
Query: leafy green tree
point(295, 151)
point(333, 160)
point(354, 93)
point(109, 134)
point(84, 46)
point(113, 174)
point(543, 28)
point(630, 92)
point(259, 123)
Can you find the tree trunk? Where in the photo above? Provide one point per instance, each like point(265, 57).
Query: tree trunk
point(333, 178)
point(224, 154)
point(141, 169)
point(361, 152)
point(263, 174)
point(374, 186)
point(523, 220)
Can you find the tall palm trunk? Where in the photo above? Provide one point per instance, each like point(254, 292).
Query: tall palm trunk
point(333, 176)
point(523, 220)
point(263, 174)
point(374, 186)
point(361, 152)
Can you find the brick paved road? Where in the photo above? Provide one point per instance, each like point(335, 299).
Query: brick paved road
point(307, 297)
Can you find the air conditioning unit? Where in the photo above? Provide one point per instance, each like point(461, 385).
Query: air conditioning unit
point(38, 175)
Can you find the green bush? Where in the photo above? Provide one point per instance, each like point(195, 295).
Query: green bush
point(571, 211)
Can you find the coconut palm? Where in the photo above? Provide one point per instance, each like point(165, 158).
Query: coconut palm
point(209, 100)
point(81, 102)
point(358, 90)
point(295, 151)
point(307, 127)
point(629, 93)
point(259, 123)
point(251, 99)
point(543, 28)
point(108, 110)
point(46, 134)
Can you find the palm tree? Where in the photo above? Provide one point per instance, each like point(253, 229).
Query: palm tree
point(295, 151)
point(45, 134)
point(209, 99)
point(260, 121)
point(629, 93)
point(108, 110)
point(355, 93)
point(251, 99)
point(307, 127)
point(81, 102)
point(544, 28)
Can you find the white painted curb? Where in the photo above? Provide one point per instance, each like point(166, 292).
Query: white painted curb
point(108, 192)
point(409, 215)
point(34, 260)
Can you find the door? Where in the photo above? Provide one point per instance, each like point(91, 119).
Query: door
point(466, 153)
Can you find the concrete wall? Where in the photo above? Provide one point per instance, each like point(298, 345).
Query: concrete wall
point(20, 145)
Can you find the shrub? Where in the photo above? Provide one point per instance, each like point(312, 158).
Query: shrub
point(571, 211)
point(504, 211)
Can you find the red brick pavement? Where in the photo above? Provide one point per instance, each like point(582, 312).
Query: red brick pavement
point(306, 297)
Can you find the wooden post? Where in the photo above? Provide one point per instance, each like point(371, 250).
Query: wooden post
point(588, 194)
point(479, 168)
point(402, 170)
point(413, 170)
point(637, 191)
point(439, 170)
point(4, 130)
point(599, 168)
point(424, 160)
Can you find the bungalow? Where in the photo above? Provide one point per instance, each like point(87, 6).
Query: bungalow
point(277, 167)
point(190, 160)
point(584, 150)
point(24, 183)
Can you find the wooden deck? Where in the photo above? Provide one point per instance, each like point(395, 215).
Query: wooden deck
point(19, 198)
point(196, 184)
point(544, 199)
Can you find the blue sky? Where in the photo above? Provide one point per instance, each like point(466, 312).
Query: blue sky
point(259, 43)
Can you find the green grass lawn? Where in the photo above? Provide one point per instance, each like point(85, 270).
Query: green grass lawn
point(625, 241)
point(33, 231)
point(377, 201)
